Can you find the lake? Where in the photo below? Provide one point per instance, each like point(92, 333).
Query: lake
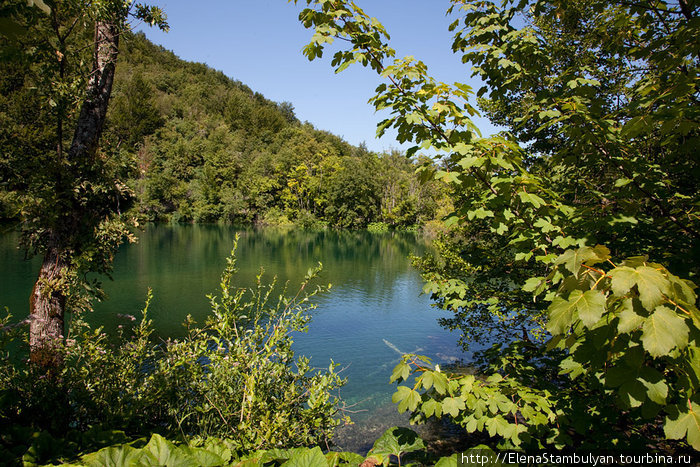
point(373, 312)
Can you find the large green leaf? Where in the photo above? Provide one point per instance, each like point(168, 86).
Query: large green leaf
point(651, 284)
point(407, 398)
point(431, 407)
point(656, 387)
point(400, 373)
point(497, 425)
point(397, 441)
point(166, 453)
point(573, 259)
point(120, 456)
point(341, 458)
point(630, 320)
point(219, 448)
point(663, 331)
point(452, 405)
point(307, 458)
point(590, 306)
point(203, 457)
point(561, 316)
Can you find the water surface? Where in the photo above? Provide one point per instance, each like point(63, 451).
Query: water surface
point(374, 311)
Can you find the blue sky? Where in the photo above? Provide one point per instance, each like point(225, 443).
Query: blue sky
point(259, 42)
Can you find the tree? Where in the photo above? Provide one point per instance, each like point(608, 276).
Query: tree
point(134, 115)
point(601, 100)
point(71, 201)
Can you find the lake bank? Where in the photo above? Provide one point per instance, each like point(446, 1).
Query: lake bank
point(373, 313)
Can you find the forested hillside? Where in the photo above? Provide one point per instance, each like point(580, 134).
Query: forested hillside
point(197, 146)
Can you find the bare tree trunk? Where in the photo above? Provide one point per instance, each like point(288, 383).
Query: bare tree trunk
point(94, 109)
point(48, 300)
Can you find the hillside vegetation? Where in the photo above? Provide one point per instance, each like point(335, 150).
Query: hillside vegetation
point(197, 146)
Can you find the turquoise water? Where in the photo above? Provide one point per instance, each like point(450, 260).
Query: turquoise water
point(373, 313)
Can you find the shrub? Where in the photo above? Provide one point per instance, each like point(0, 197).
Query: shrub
point(377, 227)
point(235, 377)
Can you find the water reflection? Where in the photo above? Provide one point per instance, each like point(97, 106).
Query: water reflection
point(373, 313)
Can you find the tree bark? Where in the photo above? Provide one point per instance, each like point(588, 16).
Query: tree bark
point(94, 109)
point(47, 306)
point(48, 299)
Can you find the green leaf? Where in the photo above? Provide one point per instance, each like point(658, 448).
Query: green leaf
point(684, 422)
point(120, 456)
point(166, 453)
point(440, 382)
point(561, 316)
point(400, 373)
point(573, 259)
point(431, 407)
point(632, 394)
point(41, 5)
point(497, 425)
point(653, 381)
point(629, 319)
point(397, 441)
point(618, 375)
point(426, 379)
point(635, 126)
point(307, 458)
point(203, 457)
point(532, 199)
point(341, 458)
point(663, 331)
point(217, 447)
point(620, 182)
point(571, 367)
point(590, 306)
point(407, 398)
point(453, 405)
point(651, 284)
point(533, 283)
point(471, 161)
point(344, 66)
point(467, 383)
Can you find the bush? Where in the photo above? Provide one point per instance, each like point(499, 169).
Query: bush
point(276, 217)
point(235, 377)
point(377, 227)
point(307, 220)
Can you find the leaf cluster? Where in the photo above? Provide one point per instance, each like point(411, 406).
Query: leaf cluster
point(601, 107)
point(396, 446)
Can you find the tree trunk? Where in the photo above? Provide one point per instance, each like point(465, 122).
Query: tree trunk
point(48, 300)
point(94, 109)
point(47, 305)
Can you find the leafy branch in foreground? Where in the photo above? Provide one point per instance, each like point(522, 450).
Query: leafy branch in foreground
point(623, 338)
point(601, 103)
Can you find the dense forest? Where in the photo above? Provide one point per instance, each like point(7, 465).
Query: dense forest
point(194, 145)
